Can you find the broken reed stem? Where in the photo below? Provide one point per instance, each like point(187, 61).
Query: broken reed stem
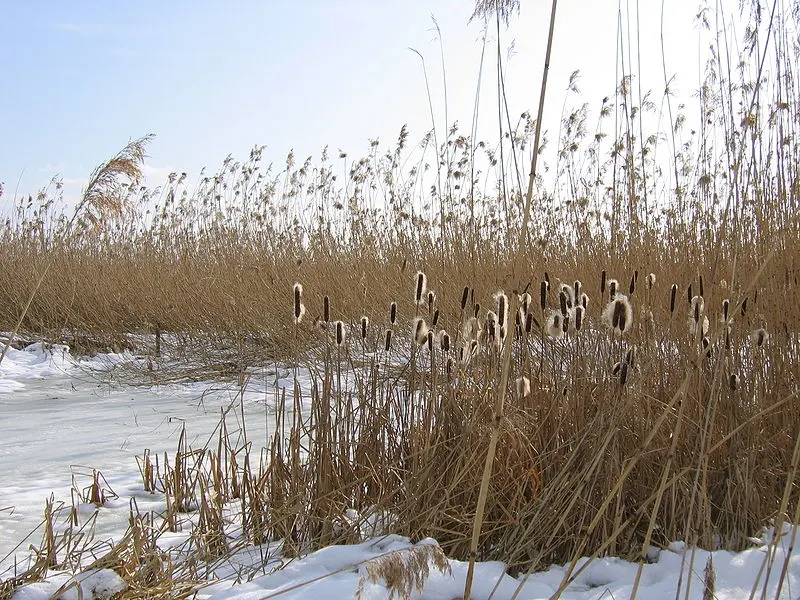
point(521, 246)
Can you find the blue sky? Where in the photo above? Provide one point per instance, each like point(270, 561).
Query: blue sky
point(215, 78)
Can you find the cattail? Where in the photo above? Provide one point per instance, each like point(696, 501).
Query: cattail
point(326, 309)
point(618, 314)
point(585, 301)
point(491, 325)
point(673, 292)
point(464, 297)
point(502, 312)
point(435, 319)
point(569, 293)
point(364, 327)
point(528, 322)
point(744, 307)
point(431, 299)
point(725, 307)
point(579, 310)
point(698, 322)
point(565, 323)
point(616, 369)
point(632, 286)
point(706, 346)
point(603, 282)
point(431, 337)
point(444, 341)
point(471, 329)
point(525, 301)
point(477, 309)
point(562, 300)
point(554, 327)
point(523, 385)
point(701, 287)
point(651, 281)
point(420, 330)
point(689, 293)
point(543, 287)
point(299, 308)
point(613, 285)
point(733, 382)
point(340, 333)
point(388, 339)
point(421, 287)
point(577, 289)
point(393, 313)
point(449, 367)
point(760, 337)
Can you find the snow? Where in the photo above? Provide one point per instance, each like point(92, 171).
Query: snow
point(56, 414)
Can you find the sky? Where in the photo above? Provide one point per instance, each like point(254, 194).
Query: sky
point(209, 79)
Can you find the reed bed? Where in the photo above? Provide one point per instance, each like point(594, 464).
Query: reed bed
point(651, 319)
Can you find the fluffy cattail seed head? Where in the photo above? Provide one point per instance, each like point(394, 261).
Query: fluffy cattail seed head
point(444, 341)
point(651, 281)
point(554, 326)
point(393, 313)
point(733, 382)
point(502, 312)
point(577, 290)
point(420, 330)
point(613, 286)
point(618, 314)
point(431, 299)
point(420, 287)
point(523, 385)
point(299, 308)
point(760, 337)
point(364, 327)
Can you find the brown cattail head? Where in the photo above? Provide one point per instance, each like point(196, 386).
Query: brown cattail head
point(565, 322)
point(420, 287)
point(726, 304)
point(613, 286)
point(701, 294)
point(651, 281)
point(579, 310)
point(563, 302)
point(577, 289)
point(623, 373)
point(528, 322)
point(616, 369)
point(502, 312)
point(435, 319)
point(340, 333)
point(585, 301)
point(523, 387)
point(543, 287)
point(420, 330)
point(698, 321)
point(569, 293)
point(388, 339)
point(618, 315)
point(672, 293)
point(431, 300)
point(464, 297)
point(689, 294)
point(431, 336)
point(632, 286)
point(364, 327)
point(444, 341)
point(477, 309)
point(299, 308)
point(603, 282)
point(744, 307)
point(326, 309)
point(760, 337)
point(393, 313)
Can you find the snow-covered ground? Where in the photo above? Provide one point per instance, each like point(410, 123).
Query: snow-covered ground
point(59, 420)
